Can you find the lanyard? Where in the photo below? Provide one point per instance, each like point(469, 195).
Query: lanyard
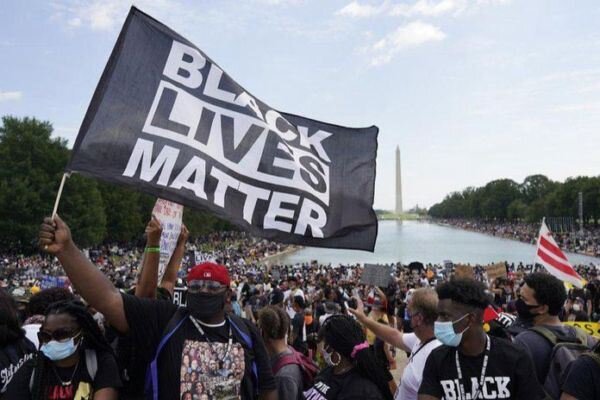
point(413, 355)
point(483, 369)
point(199, 328)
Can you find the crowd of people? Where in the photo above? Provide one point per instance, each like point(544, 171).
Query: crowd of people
point(586, 242)
point(231, 327)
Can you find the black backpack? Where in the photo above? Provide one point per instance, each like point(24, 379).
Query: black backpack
point(564, 352)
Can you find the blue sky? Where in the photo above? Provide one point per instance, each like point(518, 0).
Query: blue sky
point(471, 90)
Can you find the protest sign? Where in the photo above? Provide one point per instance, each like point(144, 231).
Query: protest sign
point(463, 271)
point(169, 215)
point(591, 328)
point(201, 257)
point(48, 281)
point(494, 271)
point(169, 121)
point(376, 275)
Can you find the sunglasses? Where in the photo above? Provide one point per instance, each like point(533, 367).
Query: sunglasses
point(211, 286)
point(60, 335)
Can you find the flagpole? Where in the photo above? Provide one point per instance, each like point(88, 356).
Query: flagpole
point(59, 194)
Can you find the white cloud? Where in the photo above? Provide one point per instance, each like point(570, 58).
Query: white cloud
point(357, 10)
point(419, 8)
point(103, 15)
point(407, 36)
point(8, 96)
point(429, 8)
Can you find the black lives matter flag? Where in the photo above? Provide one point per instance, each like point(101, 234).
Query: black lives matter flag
point(168, 121)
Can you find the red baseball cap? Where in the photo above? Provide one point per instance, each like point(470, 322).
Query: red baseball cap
point(209, 271)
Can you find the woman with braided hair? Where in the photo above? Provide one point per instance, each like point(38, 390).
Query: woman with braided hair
point(74, 360)
point(353, 372)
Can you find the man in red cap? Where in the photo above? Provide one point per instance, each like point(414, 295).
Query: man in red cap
point(192, 351)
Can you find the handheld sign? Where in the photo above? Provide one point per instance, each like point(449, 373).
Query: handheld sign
point(376, 275)
point(166, 119)
point(170, 216)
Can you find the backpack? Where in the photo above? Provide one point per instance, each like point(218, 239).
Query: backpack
point(91, 363)
point(308, 368)
point(181, 315)
point(564, 352)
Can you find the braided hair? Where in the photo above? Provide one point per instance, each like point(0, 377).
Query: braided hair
point(90, 332)
point(342, 333)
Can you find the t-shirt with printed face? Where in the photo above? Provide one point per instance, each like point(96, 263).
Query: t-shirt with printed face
point(205, 365)
point(347, 386)
point(509, 374)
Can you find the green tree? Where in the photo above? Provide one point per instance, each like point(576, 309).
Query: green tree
point(31, 166)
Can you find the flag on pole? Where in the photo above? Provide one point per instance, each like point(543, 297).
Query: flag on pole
point(553, 259)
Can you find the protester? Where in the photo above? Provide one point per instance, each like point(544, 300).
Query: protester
point(583, 380)
point(15, 348)
point(471, 363)
point(352, 372)
point(201, 331)
point(274, 325)
point(298, 330)
point(423, 312)
point(541, 299)
point(74, 362)
point(36, 309)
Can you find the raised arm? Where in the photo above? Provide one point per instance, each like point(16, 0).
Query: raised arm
point(148, 276)
point(55, 238)
point(383, 331)
point(170, 276)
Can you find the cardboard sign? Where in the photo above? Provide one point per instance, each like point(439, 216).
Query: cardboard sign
point(497, 270)
point(591, 328)
point(170, 216)
point(376, 275)
point(463, 271)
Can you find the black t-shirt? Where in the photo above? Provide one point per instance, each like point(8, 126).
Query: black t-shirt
point(195, 363)
point(583, 381)
point(347, 386)
point(298, 329)
point(509, 374)
point(12, 357)
point(82, 386)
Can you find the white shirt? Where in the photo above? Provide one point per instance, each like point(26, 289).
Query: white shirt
point(413, 372)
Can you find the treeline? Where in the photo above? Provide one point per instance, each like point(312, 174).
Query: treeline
point(536, 197)
point(31, 166)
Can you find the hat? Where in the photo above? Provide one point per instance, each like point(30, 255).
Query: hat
point(209, 271)
point(276, 297)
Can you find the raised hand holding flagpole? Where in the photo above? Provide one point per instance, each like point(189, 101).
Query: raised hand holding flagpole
point(553, 259)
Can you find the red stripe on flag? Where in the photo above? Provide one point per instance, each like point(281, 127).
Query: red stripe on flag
point(557, 264)
point(546, 244)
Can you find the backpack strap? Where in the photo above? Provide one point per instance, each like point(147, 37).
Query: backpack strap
point(546, 333)
point(287, 359)
point(247, 338)
point(91, 362)
point(172, 326)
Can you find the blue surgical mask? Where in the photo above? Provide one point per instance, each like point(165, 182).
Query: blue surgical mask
point(56, 350)
point(444, 332)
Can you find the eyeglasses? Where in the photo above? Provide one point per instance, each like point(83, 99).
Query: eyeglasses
point(60, 335)
point(199, 285)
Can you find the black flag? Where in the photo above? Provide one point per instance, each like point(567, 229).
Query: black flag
point(167, 120)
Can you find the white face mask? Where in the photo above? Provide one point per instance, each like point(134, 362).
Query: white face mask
point(576, 307)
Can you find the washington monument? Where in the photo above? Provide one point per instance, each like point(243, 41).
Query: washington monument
point(398, 183)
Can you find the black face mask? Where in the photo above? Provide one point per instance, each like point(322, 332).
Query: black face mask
point(205, 305)
point(524, 310)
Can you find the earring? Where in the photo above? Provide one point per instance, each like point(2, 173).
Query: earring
point(335, 364)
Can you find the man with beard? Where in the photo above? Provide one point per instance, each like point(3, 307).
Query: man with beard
point(165, 330)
